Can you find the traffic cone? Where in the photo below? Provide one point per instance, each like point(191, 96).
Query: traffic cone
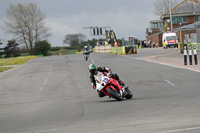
point(176, 48)
point(134, 51)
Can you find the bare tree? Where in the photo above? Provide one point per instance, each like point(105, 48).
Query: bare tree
point(26, 23)
point(74, 40)
point(162, 6)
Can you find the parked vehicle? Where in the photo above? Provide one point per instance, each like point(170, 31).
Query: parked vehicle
point(169, 39)
point(112, 88)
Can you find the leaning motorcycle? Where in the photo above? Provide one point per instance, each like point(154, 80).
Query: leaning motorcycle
point(112, 88)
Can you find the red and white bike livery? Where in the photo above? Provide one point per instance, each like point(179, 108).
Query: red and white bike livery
point(112, 88)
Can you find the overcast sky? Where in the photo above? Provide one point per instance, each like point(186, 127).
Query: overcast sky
point(125, 17)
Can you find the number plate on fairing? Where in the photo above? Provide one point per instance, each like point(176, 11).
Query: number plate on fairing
point(105, 80)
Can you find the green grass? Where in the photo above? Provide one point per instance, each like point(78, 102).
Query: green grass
point(13, 61)
point(64, 52)
point(4, 68)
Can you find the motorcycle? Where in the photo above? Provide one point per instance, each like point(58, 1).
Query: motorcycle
point(112, 88)
point(86, 55)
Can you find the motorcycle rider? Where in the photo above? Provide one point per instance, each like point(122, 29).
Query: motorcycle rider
point(85, 50)
point(94, 77)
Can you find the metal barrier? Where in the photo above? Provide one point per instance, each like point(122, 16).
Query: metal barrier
point(118, 50)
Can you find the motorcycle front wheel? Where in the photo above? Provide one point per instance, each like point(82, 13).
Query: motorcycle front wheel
point(114, 94)
point(86, 57)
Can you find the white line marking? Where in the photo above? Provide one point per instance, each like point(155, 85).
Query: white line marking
point(180, 130)
point(169, 82)
point(46, 80)
point(163, 64)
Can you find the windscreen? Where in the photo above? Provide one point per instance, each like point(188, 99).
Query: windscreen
point(171, 38)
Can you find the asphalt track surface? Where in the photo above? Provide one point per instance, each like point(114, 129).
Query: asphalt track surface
point(54, 95)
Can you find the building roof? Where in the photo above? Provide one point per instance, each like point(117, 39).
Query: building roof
point(185, 7)
point(154, 21)
point(190, 26)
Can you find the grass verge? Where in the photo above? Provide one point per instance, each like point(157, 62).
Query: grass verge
point(13, 61)
point(4, 68)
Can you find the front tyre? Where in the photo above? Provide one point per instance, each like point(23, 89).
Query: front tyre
point(86, 57)
point(114, 94)
point(129, 95)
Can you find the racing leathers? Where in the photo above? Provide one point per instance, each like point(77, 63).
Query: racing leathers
point(86, 51)
point(94, 78)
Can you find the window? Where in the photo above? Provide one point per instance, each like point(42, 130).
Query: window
point(171, 38)
point(184, 19)
point(197, 18)
point(178, 20)
point(155, 25)
point(161, 25)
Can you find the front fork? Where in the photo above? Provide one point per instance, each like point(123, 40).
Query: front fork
point(123, 92)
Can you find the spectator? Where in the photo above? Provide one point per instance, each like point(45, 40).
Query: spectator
point(149, 43)
point(106, 43)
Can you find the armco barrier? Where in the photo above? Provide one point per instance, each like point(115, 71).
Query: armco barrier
point(131, 49)
point(118, 50)
point(197, 46)
point(190, 44)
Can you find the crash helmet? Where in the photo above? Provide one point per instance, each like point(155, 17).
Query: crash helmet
point(85, 47)
point(93, 69)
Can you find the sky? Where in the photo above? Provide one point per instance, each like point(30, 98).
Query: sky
point(125, 17)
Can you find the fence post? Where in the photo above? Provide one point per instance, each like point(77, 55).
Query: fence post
point(190, 54)
point(195, 54)
point(185, 54)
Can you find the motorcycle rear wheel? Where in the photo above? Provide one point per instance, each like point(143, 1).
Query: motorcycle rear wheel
point(114, 94)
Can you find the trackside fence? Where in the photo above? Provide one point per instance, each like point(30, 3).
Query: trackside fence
point(116, 50)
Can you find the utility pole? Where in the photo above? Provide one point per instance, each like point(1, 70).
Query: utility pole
point(170, 15)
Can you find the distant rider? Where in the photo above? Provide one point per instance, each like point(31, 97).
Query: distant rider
point(95, 76)
point(86, 50)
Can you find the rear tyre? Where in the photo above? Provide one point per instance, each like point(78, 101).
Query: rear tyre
point(114, 94)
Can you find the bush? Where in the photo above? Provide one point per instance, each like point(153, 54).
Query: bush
point(42, 47)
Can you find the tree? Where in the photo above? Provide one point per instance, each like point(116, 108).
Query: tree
point(42, 47)
point(12, 49)
point(162, 6)
point(74, 40)
point(26, 23)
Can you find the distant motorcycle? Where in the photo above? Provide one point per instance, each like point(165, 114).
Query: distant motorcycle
point(86, 54)
point(112, 88)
